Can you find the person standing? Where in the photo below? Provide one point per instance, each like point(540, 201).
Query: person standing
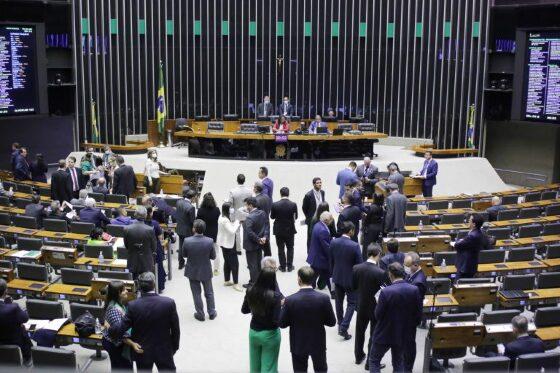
point(265, 108)
point(285, 108)
point(209, 214)
point(21, 171)
point(160, 254)
point(319, 251)
point(367, 280)
point(12, 318)
point(61, 183)
point(267, 183)
point(372, 227)
point(39, 169)
point(227, 230)
point(395, 210)
point(345, 177)
point(237, 198)
point(345, 254)
point(14, 155)
point(285, 213)
point(255, 237)
point(199, 251)
point(349, 213)
point(468, 248)
point(264, 203)
point(154, 322)
point(393, 255)
point(323, 206)
point(398, 313)
point(152, 173)
point(75, 175)
point(185, 215)
point(140, 243)
point(264, 303)
point(281, 125)
point(366, 174)
point(124, 179)
point(311, 201)
point(428, 174)
point(395, 177)
point(306, 313)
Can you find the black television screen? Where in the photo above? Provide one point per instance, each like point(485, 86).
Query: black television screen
point(18, 70)
point(541, 91)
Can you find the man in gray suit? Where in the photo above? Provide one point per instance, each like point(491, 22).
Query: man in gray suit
point(396, 210)
point(256, 233)
point(366, 173)
point(140, 242)
point(395, 177)
point(199, 250)
point(185, 216)
point(264, 203)
point(237, 198)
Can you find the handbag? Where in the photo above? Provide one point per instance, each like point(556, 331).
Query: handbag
point(85, 324)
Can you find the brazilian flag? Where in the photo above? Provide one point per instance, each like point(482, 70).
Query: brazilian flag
point(160, 104)
point(94, 129)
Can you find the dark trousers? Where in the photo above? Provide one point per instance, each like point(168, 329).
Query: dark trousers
point(181, 259)
point(322, 278)
point(343, 317)
point(118, 361)
point(409, 352)
point(427, 190)
point(254, 258)
point(266, 248)
point(146, 361)
point(308, 235)
point(364, 317)
point(286, 240)
point(231, 264)
point(299, 362)
point(196, 288)
point(379, 350)
point(155, 185)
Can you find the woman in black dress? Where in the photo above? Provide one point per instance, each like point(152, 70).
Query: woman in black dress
point(373, 223)
point(209, 213)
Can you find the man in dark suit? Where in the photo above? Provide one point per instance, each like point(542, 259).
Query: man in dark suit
point(91, 214)
point(366, 174)
point(396, 210)
point(523, 343)
point(345, 254)
point(318, 256)
point(349, 213)
point(398, 313)
point(345, 177)
point(311, 200)
point(12, 319)
point(155, 327)
point(75, 176)
point(101, 187)
point(267, 183)
point(124, 180)
point(393, 255)
point(21, 171)
point(14, 156)
point(140, 242)
point(199, 251)
point(307, 312)
point(255, 237)
point(61, 183)
point(416, 277)
point(468, 248)
point(185, 215)
point(285, 108)
point(428, 174)
point(367, 279)
point(265, 108)
point(495, 209)
point(264, 203)
point(36, 210)
point(284, 212)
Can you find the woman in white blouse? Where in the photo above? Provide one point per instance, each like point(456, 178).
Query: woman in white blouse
point(152, 173)
point(226, 240)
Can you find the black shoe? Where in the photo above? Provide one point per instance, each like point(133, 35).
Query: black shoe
point(360, 359)
point(381, 366)
point(198, 317)
point(282, 269)
point(290, 268)
point(246, 286)
point(345, 335)
point(213, 316)
point(181, 266)
point(367, 366)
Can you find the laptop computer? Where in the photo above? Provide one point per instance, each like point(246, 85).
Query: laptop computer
point(338, 132)
point(264, 129)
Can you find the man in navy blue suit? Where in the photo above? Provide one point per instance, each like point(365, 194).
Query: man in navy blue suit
point(345, 176)
point(468, 248)
point(398, 313)
point(12, 319)
point(523, 343)
point(307, 312)
point(21, 171)
point(345, 253)
point(90, 214)
point(392, 255)
point(416, 277)
point(349, 213)
point(319, 250)
point(428, 174)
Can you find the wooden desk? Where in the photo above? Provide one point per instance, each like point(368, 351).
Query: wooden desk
point(26, 287)
point(49, 234)
point(76, 237)
point(542, 203)
point(536, 296)
point(444, 302)
point(7, 274)
point(18, 231)
point(452, 227)
point(69, 292)
point(415, 228)
point(28, 196)
point(411, 187)
point(12, 210)
point(475, 294)
point(502, 333)
point(481, 205)
point(68, 335)
point(3, 252)
point(93, 263)
point(552, 263)
point(497, 268)
point(434, 243)
point(538, 240)
point(405, 243)
point(443, 211)
point(97, 284)
point(457, 334)
point(510, 242)
point(59, 256)
point(551, 333)
point(31, 256)
point(517, 222)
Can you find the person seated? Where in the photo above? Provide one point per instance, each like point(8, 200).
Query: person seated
point(523, 343)
point(317, 123)
point(96, 237)
point(36, 210)
point(80, 201)
point(495, 208)
point(101, 186)
point(57, 211)
point(489, 242)
point(392, 256)
point(12, 318)
point(90, 214)
point(121, 218)
point(281, 125)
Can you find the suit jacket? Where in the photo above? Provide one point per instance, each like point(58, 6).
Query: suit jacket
point(124, 181)
point(155, 325)
point(38, 171)
point(265, 110)
point(289, 110)
point(79, 176)
point(319, 247)
point(21, 171)
point(468, 249)
point(342, 178)
point(350, 213)
point(198, 250)
point(210, 217)
point(37, 211)
point(284, 212)
point(396, 210)
point(493, 212)
point(430, 170)
point(185, 216)
point(309, 205)
point(100, 189)
point(11, 319)
point(268, 187)
point(398, 313)
point(264, 203)
point(364, 173)
point(391, 258)
point(141, 244)
point(13, 159)
point(523, 345)
point(307, 312)
point(367, 279)
point(93, 215)
point(237, 198)
point(418, 279)
point(345, 254)
point(256, 226)
point(61, 186)
point(397, 178)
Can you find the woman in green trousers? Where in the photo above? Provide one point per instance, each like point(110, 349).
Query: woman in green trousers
point(264, 302)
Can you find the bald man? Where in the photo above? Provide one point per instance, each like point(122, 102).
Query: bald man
point(366, 172)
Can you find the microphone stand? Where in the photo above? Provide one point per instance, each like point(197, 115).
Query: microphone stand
point(428, 343)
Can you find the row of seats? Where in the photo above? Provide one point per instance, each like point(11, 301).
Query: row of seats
point(90, 251)
point(43, 357)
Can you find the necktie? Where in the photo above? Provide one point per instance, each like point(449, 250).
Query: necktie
point(74, 179)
